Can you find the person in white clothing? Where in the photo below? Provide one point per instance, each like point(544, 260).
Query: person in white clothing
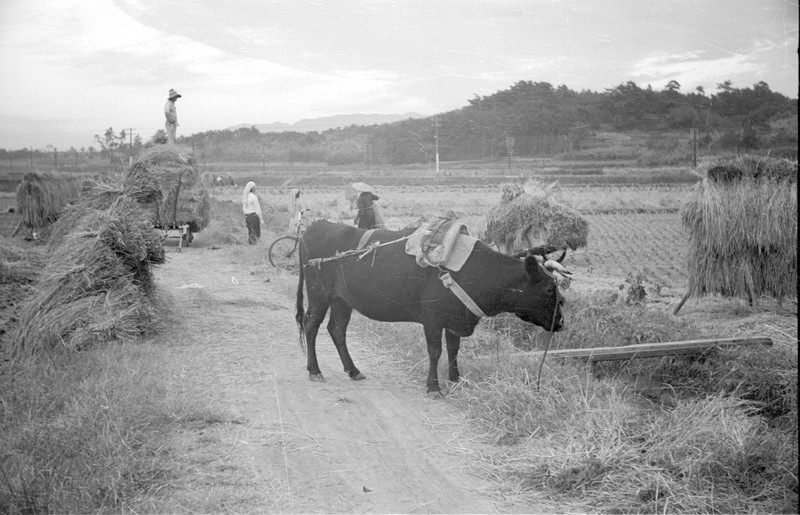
point(296, 210)
point(253, 218)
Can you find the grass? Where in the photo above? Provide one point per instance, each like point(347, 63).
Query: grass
point(709, 434)
point(92, 431)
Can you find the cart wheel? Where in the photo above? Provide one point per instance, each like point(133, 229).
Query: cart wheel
point(283, 253)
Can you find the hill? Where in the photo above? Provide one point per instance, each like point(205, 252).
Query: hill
point(329, 122)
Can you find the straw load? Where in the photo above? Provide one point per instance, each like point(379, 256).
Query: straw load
point(526, 219)
point(41, 198)
point(171, 169)
point(742, 224)
point(192, 208)
point(96, 285)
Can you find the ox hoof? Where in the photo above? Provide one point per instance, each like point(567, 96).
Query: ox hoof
point(358, 377)
point(317, 377)
point(435, 396)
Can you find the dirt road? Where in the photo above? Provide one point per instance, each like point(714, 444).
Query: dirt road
point(292, 445)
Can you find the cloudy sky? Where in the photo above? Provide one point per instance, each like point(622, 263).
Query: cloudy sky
point(69, 69)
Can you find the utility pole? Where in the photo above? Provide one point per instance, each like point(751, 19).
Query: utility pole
point(130, 134)
point(436, 140)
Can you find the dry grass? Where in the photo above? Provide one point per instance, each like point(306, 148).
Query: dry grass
point(710, 434)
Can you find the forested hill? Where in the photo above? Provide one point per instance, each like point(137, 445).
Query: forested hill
point(534, 119)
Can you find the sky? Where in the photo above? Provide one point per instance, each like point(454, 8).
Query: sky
point(69, 69)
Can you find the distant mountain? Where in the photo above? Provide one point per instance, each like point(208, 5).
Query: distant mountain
point(328, 122)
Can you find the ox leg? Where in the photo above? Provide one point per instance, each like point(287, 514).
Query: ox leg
point(337, 328)
point(453, 344)
point(311, 322)
point(433, 336)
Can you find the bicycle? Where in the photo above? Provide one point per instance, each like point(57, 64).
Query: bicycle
point(283, 252)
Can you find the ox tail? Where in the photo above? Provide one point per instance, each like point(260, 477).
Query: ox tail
point(300, 312)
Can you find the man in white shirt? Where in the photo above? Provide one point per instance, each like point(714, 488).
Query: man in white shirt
point(252, 213)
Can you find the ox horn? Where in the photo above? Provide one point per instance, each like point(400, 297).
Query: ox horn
point(556, 267)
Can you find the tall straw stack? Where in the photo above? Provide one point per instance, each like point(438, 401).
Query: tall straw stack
point(540, 215)
point(41, 198)
point(171, 171)
point(742, 224)
point(97, 284)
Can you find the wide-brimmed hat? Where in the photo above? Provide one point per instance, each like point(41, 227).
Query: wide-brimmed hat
point(173, 94)
point(361, 187)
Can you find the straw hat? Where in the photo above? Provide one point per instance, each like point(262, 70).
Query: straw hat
point(362, 187)
point(173, 94)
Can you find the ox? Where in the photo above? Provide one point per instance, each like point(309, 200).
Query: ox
point(387, 285)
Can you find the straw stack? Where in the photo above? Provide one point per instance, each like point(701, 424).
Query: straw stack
point(97, 284)
point(41, 198)
point(539, 215)
point(171, 171)
point(742, 224)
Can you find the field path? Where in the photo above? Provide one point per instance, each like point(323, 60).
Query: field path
point(374, 446)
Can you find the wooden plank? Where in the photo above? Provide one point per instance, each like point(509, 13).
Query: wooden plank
point(646, 350)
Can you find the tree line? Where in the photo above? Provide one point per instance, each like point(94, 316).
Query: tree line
point(527, 119)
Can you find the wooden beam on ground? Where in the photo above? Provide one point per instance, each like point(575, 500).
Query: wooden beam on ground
point(646, 350)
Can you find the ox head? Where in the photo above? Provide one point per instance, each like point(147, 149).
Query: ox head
point(538, 300)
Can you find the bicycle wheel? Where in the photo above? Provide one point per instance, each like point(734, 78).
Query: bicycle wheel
point(283, 253)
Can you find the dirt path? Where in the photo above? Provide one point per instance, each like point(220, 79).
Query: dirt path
point(373, 446)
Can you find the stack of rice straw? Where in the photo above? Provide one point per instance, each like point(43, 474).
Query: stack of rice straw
point(742, 225)
point(96, 285)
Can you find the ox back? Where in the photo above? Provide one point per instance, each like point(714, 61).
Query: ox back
point(386, 284)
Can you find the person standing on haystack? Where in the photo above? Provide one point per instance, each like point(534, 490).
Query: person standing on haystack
point(368, 217)
point(171, 113)
point(252, 213)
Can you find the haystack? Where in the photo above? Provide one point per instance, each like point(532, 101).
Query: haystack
point(742, 224)
point(171, 171)
point(41, 198)
point(97, 284)
point(193, 208)
point(522, 217)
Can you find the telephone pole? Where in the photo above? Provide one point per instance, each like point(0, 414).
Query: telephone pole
point(436, 140)
point(130, 134)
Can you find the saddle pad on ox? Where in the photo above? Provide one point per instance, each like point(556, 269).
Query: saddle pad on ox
point(440, 243)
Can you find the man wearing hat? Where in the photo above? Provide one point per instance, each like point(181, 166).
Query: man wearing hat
point(172, 115)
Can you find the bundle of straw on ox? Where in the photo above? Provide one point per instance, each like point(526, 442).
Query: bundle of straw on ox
point(742, 226)
point(97, 284)
point(523, 220)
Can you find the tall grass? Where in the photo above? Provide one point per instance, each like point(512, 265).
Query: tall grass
point(91, 431)
point(709, 434)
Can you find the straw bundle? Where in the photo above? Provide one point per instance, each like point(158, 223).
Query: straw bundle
point(193, 208)
point(97, 282)
point(521, 216)
point(743, 229)
point(41, 198)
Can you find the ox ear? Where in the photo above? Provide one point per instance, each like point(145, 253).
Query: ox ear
point(532, 267)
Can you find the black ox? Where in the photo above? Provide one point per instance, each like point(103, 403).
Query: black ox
point(387, 285)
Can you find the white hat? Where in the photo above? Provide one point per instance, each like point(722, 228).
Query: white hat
point(362, 187)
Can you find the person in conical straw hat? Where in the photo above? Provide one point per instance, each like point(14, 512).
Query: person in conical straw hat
point(171, 113)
